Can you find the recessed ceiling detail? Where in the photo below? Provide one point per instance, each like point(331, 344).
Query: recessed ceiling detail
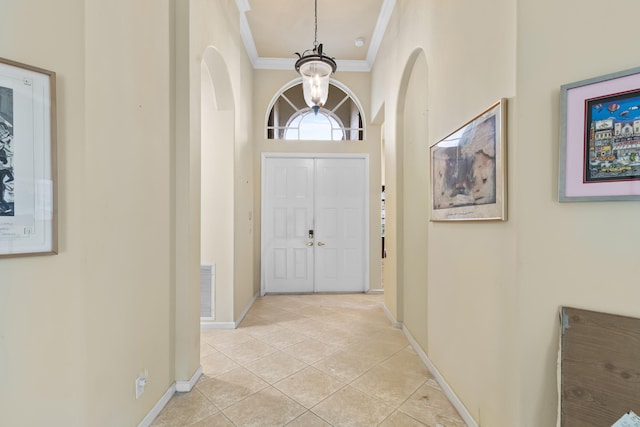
point(273, 30)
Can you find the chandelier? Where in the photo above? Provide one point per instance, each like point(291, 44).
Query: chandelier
point(316, 69)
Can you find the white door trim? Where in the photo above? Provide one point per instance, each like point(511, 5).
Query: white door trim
point(367, 234)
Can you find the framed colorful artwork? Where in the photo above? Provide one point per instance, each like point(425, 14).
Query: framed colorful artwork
point(28, 208)
point(599, 157)
point(468, 170)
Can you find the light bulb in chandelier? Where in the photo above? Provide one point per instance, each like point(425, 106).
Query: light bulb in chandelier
point(316, 71)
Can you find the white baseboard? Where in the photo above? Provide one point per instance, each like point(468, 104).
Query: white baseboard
point(178, 386)
point(186, 386)
point(155, 411)
point(217, 325)
point(448, 391)
point(246, 309)
point(230, 325)
point(393, 321)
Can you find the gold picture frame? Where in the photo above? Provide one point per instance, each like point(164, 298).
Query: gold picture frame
point(468, 170)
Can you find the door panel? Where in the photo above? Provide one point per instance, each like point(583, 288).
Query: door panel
point(287, 219)
point(340, 225)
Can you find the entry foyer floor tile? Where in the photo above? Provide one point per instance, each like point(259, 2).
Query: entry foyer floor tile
point(311, 360)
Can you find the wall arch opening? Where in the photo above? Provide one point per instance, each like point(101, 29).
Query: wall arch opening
point(412, 195)
point(217, 159)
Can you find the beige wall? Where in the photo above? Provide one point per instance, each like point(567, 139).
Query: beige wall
point(122, 296)
point(564, 258)
point(438, 67)
point(186, 195)
point(267, 85)
point(77, 328)
point(217, 160)
point(413, 254)
point(215, 25)
point(492, 290)
point(127, 207)
point(43, 355)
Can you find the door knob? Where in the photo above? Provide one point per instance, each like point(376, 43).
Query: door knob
point(309, 243)
point(321, 243)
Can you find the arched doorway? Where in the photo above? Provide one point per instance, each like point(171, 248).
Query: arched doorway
point(412, 182)
point(217, 124)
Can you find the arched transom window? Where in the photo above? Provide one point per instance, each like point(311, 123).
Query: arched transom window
point(339, 119)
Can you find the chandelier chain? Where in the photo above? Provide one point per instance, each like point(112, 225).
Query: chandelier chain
point(315, 37)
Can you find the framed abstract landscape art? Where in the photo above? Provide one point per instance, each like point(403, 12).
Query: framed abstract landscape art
point(468, 170)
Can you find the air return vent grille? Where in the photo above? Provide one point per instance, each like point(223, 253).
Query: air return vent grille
point(207, 291)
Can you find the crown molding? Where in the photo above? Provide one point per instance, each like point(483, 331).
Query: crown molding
point(274, 64)
point(245, 31)
point(260, 63)
point(353, 65)
point(381, 26)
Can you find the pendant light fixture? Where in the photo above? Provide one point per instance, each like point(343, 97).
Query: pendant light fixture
point(316, 69)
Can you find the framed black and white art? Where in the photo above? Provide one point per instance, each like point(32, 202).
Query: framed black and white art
point(28, 208)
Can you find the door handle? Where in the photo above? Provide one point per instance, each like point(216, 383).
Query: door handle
point(321, 243)
point(309, 243)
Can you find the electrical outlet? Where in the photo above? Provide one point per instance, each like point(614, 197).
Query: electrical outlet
point(141, 381)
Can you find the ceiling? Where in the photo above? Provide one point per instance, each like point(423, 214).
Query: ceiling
point(274, 30)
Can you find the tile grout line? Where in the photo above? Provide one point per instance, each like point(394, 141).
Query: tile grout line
point(329, 314)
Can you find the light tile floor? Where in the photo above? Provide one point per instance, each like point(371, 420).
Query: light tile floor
point(311, 360)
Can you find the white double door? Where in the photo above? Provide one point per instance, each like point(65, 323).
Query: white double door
point(314, 225)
